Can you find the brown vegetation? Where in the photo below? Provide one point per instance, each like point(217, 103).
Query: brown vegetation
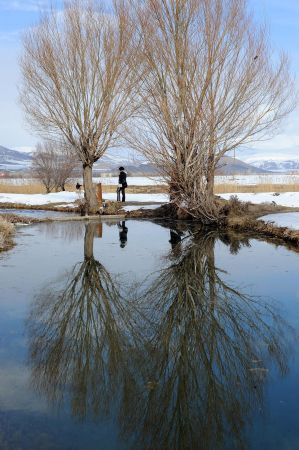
point(46, 207)
point(6, 234)
point(227, 188)
point(223, 188)
point(263, 229)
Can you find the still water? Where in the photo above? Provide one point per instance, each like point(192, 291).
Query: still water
point(139, 335)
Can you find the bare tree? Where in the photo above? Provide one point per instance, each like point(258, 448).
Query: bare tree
point(212, 85)
point(65, 163)
point(53, 164)
point(78, 77)
point(43, 165)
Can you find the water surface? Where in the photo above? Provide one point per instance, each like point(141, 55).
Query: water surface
point(147, 336)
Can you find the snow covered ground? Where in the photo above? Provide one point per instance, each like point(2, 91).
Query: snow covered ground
point(135, 207)
point(70, 197)
point(290, 220)
point(39, 199)
point(155, 198)
point(290, 199)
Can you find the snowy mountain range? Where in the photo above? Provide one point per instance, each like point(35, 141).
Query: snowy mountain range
point(17, 161)
point(273, 165)
point(13, 160)
point(270, 160)
point(250, 162)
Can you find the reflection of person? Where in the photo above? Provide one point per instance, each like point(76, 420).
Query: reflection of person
point(123, 233)
point(175, 237)
point(122, 184)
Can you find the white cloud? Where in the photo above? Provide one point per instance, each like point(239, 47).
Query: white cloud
point(23, 5)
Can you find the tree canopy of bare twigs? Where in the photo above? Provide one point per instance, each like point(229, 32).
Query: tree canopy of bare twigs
point(53, 164)
point(77, 71)
point(212, 84)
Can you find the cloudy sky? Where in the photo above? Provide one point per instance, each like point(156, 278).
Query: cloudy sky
point(282, 17)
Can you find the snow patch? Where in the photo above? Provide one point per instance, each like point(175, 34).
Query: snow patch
point(290, 220)
point(40, 199)
point(290, 199)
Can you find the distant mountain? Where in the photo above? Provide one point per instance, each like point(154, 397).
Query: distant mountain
point(274, 160)
point(13, 160)
point(288, 165)
point(227, 166)
point(231, 166)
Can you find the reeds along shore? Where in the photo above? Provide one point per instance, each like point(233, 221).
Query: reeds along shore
point(6, 234)
point(266, 230)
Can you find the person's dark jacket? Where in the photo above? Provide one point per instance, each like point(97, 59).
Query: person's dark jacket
point(122, 179)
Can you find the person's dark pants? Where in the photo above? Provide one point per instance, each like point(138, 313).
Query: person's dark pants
point(123, 191)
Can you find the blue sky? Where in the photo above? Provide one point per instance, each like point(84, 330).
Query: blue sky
point(282, 17)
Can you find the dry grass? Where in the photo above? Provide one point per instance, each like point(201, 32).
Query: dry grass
point(227, 188)
point(32, 188)
point(6, 233)
point(262, 229)
point(47, 207)
point(224, 188)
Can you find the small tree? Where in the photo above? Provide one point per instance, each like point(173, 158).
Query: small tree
point(65, 163)
point(43, 165)
point(53, 164)
point(211, 86)
point(78, 75)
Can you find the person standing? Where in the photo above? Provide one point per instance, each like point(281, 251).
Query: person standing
point(122, 184)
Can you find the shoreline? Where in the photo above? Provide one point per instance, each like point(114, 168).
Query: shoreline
point(244, 221)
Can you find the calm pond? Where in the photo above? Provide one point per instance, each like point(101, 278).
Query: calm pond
point(139, 335)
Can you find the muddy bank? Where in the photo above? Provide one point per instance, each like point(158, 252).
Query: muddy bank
point(47, 207)
point(237, 216)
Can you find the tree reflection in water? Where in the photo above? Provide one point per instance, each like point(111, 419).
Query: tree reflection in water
point(184, 364)
point(209, 348)
point(81, 337)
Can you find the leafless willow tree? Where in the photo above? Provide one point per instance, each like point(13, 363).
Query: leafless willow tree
point(65, 164)
point(53, 164)
point(43, 166)
point(212, 84)
point(77, 79)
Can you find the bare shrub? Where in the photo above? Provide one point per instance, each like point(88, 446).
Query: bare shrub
point(6, 232)
point(43, 165)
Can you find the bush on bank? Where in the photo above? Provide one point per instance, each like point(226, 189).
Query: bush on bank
point(7, 230)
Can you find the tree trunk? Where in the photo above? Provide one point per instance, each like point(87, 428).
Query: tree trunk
point(88, 241)
point(210, 183)
point(92, 205)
